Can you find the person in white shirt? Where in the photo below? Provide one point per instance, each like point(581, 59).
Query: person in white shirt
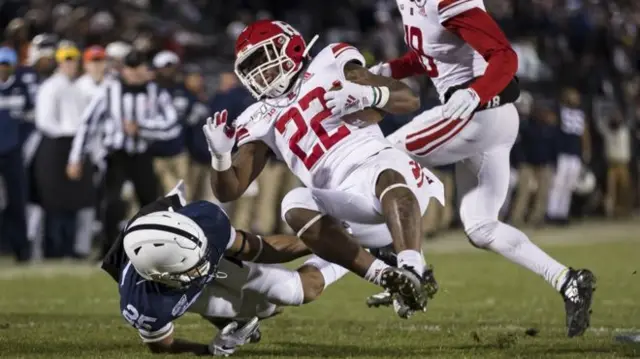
point(95, 68)
point(58, 108)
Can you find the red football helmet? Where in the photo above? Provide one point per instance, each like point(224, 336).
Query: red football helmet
point(269, 55)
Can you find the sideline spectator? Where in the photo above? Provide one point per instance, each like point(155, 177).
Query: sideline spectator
point(59, 106)
point(15, 106)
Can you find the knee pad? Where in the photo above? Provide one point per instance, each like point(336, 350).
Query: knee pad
point(300, 197)
point(482, 235)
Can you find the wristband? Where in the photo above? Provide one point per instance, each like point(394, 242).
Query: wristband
point(221, 162)
point(380, 96)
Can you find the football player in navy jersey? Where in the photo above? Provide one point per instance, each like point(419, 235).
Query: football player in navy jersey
point(173, 258)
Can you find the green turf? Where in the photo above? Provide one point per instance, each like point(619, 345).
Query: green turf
point(482, 311)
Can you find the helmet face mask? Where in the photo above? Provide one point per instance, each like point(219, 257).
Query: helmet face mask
point(269, 56)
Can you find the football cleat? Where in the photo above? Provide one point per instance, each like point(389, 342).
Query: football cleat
point(405, 290)
point(577, 292)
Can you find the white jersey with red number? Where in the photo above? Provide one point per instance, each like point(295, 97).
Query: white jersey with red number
point(446, 58)
point(319, 148)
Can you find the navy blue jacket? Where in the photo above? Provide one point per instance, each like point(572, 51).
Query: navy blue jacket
point(539, 142)
point(15, 107)
point(189, 112)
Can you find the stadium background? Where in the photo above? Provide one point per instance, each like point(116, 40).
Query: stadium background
point(565, 47)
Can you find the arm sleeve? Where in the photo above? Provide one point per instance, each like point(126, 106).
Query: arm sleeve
point(46, 116)
point(91, 117)
point(344, 53)
point(482, 33)
point(406, 66)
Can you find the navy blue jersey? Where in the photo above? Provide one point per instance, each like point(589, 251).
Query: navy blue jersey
point(572, 125)
point(152, 307)
point(15, 107)
point(30, 78)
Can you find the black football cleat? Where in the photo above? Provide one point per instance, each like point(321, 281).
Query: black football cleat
point(385, 254)
point(577, 292)
point(405, 297)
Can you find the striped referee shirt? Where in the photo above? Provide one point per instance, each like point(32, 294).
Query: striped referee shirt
point(147, 105)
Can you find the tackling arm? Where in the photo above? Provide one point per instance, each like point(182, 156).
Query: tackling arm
point(248, 162)
point(401, 99)
point(270, 249)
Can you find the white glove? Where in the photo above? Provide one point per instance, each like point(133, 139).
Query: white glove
point(351, 97)
point(230, 337)
point(381, 68)
point(220, 139)
point(461, 104)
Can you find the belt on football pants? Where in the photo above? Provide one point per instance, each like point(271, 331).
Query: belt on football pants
point(508, 95)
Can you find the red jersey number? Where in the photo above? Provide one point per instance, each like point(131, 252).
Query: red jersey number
point(419, 174)
point(325, 140)
point(414, 39)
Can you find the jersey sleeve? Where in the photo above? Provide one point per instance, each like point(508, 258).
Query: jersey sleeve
point(448, 9)
point(255, 124)
point(344, 53)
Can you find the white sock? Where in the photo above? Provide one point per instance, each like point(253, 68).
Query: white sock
point(373, 273)
point(515, 246)
point(411, 258)
point(330, 271)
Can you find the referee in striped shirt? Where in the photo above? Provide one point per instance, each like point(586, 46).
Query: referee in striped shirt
point(128, 114)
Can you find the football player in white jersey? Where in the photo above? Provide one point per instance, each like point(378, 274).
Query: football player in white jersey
point(472, 65)
point(352, 175)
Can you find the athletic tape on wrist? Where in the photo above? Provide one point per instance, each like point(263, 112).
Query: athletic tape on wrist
point(221, 162)
point(383, 96)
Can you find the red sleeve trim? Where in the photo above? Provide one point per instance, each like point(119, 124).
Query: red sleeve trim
point(482, 33)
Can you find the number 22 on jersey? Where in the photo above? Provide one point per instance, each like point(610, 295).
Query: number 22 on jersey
point(323, 140)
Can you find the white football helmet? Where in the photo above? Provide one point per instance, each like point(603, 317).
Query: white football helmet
point(169, 248)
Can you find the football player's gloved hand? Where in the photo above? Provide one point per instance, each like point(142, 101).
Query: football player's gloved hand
point(230, 337)
point(461, 104)
point(348, 97)
point(220, 139)
point(381, 68)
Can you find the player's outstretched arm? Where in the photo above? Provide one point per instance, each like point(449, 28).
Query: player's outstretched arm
point(228, 185)
point(278, 248)
point(231, 176)
point(364, 89)
point(401, 99)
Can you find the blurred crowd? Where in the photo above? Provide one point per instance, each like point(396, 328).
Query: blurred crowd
point(579, 68)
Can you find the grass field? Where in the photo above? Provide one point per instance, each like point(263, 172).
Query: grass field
point(483, 309)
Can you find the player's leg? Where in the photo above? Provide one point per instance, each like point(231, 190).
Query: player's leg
point(306, 212)
point(483, 184)
point(313, 213)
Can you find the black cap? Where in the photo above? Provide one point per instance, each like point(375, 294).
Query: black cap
point(134, 59)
